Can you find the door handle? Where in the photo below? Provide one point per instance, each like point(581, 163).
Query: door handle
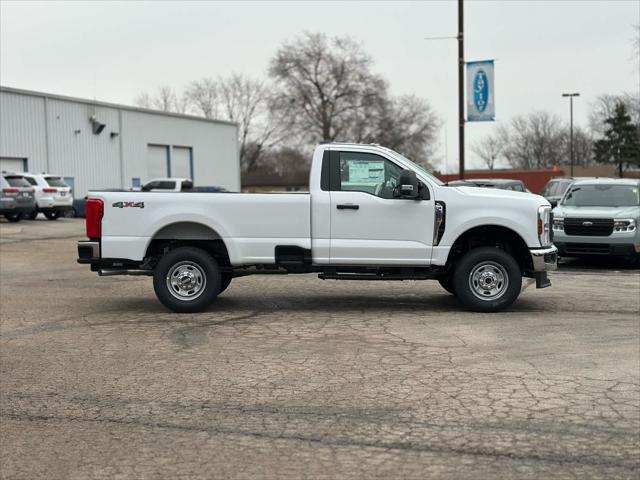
point(348, 206)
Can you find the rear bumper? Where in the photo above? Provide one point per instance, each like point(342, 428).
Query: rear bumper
point(543, 260)
point(88, 252)
point(56, 208)
point(10, 210)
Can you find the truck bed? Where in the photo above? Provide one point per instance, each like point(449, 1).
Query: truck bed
point(251, 224)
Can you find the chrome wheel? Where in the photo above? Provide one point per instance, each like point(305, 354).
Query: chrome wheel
point(488, 280)
point(186, 281)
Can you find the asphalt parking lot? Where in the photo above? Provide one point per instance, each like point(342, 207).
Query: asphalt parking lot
point(294, 377)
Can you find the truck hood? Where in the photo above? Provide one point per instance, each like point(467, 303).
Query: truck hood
point(596, 212)
point(498, 194)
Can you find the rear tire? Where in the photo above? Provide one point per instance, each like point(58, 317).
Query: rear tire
point(31, 215)
point(447, 284)
point(186, 280)
point(487, 279)
point(52, 215)
point(14, 217)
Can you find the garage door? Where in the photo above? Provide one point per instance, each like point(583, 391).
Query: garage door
point(13, 164)
point(157, 161)
point(181, 162)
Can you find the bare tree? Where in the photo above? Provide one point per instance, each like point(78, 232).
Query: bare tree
point(165, 99)
point(406, 124)
point(489, 149)
point(247, 101)
point(322, 82)
point(604, 107)
point(203, 97)
point(533, 140)
point(583, 144)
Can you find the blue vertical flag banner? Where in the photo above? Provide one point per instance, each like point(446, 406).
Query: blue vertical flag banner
point(480, 93)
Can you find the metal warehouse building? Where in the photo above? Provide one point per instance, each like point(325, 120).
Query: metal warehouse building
point(97, 145)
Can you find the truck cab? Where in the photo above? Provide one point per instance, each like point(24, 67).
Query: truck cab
point(370, 214)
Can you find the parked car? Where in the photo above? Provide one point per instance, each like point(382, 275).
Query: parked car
point(502, 183)
point(79, 207)
point(599, 217)
point(371, 214)
point(556, 188)
point(54, 198)
point(167, 185)
point(210, 189)
point(16, 197)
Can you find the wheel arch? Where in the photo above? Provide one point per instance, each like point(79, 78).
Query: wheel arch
point(492, 235)
point(188, 233)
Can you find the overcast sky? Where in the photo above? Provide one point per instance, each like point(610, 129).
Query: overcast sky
point(114, 50)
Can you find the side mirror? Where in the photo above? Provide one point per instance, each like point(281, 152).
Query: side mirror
point(408, 186)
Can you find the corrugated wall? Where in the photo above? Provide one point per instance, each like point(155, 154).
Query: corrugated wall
point(66, 145)
point(215, 147)
point(22, 129)
point(75, 151)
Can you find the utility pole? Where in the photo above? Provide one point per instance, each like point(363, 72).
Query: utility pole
point(461, 85)
point(571, 95)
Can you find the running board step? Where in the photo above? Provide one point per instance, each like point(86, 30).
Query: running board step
point(373, 276)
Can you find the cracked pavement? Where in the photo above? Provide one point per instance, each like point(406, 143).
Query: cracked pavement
point(294, 377)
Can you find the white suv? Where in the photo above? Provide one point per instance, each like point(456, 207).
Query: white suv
point(53, 197)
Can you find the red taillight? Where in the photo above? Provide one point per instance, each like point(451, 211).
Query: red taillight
point(10, 191)
point(50, 190)
point(93, 212)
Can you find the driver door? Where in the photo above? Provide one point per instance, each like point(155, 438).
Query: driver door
point(368, 225)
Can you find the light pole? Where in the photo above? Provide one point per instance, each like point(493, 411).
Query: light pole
point(461, 87)
point(571, 95)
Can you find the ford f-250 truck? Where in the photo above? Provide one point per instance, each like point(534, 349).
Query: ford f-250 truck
point(371, 214)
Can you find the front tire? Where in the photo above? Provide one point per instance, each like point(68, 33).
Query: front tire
point(487, 280)
point(447, 284)
point(186, 280)
point(14, 217)
point(52, 215)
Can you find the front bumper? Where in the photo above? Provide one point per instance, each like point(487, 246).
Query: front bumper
point(607, 249)
point(542, 261)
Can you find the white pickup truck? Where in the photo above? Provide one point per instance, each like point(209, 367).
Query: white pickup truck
point(371, 214)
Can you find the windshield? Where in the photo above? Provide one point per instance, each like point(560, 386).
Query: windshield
point(418, 168)
point(603, 196)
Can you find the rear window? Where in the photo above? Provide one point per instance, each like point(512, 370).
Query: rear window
point(16, 181)
point(32, 181)
point(159, 185)
point(56, 182)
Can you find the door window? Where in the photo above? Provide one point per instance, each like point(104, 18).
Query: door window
point(368, 173)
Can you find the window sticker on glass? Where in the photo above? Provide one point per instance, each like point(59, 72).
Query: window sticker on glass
point(364, 171)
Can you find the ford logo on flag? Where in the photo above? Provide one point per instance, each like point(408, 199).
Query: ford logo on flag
point(480, 90)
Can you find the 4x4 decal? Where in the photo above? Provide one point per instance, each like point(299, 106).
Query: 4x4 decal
point(128, 205)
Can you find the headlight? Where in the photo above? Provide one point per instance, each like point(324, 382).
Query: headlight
point(624, 225)
point(544, 225)
point(558, 223)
